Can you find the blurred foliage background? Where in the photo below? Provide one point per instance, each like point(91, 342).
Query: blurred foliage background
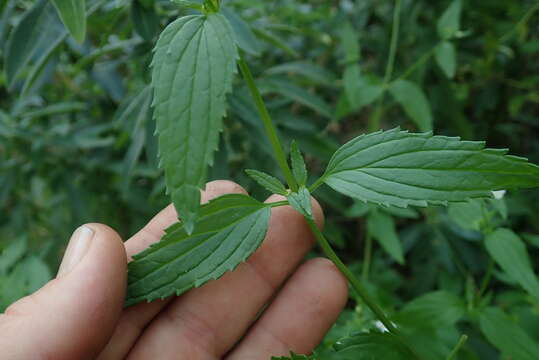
point(77, 145)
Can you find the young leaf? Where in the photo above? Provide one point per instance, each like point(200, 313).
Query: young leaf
point(449, 22)
point(414, 102)
point(446, 57)
point(73, 15)
point(267, 181)
point(509, 251)
point(301, 202)
point(399, 168)
point(507, 336)
point(229, 229)
point(298, 164)
point(382, 228)
point(193, 67)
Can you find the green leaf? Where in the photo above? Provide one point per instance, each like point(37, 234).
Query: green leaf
point(399, 168)
point(145, 21)
point(245, 38)
point(12, 254)
point(382, 228)
point(301, 202)
point(298, 164)
point(73, 15)
point(229, 229)
point(449, 22)
point(507, 336)
point(468, 215)
point(370, 346)
point(509, 251)
point(437, 309)
point(296, 93)
point(267, 181)
point(446, 57)
point(193, 68)
point(310, 71)
point(414, 102)
point(33, 40)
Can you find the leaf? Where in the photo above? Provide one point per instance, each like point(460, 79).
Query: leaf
point(446, 57)
point(245, 38)
point(509, 251)
point(507, 336)
point(468, 215)
point(312, 72)
point(12, 254)
point(73, 15)
point(276, 41)
point(34, 38)
point(449, 22)
point(399, 168)
point(301, 202)
point(296, 93)
point(298, 164)
point(439, 309)
point(193, 68)
point(382, 228)
point(414, 102)
point(145, 21)
point(229, 229)
point(267, 181)
point(370, 346)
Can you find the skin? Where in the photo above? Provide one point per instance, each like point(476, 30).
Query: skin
point(80, 315)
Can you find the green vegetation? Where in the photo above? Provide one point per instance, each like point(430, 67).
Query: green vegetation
point(245, 85)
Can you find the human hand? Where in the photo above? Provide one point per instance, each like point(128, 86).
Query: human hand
point(80, 315)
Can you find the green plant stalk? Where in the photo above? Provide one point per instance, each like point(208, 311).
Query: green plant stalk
point(330, 253)
point(374, 120)
point(271, 131)
point(367, 253)
point(457, 347)
point(521, 22)
point(486, 280)
point(424, 58)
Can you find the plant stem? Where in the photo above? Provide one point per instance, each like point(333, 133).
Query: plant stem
point(330, 253)
point(457, 347)
point(366, 257)
point(412, 68)
point(521, 22)
point(486, 279)
point(270, 129)
point(374, 120)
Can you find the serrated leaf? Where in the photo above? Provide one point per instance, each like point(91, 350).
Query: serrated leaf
point(382, 228)
point(414, 102)
point(270, 183)
point(298, 164)
point(33, 40)
point(229, 229)
point(193, 67)
point(399, 168)
point(446, 57)
point(301, 202)
point(507, 336)
point(370, 346)
point(509, 251)
point(245, 37)
point(73, 15)
point(449, 22)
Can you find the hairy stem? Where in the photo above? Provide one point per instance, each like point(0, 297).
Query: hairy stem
point(269, 127)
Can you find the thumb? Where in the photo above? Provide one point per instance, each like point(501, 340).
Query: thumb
point(72, 316)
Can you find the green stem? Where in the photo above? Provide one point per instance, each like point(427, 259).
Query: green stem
point(486, 279)
point(271, 131)
point(412, 68)
point(522, 21)
point(457, 347)
point(330, 253)
point(374, 120)
point(366, 257)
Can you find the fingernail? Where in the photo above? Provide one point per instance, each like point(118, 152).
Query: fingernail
point(76, 249)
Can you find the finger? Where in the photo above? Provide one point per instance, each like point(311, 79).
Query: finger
point(73, 316)
point(300, 316)
point(208, 321)
point(135, 318)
